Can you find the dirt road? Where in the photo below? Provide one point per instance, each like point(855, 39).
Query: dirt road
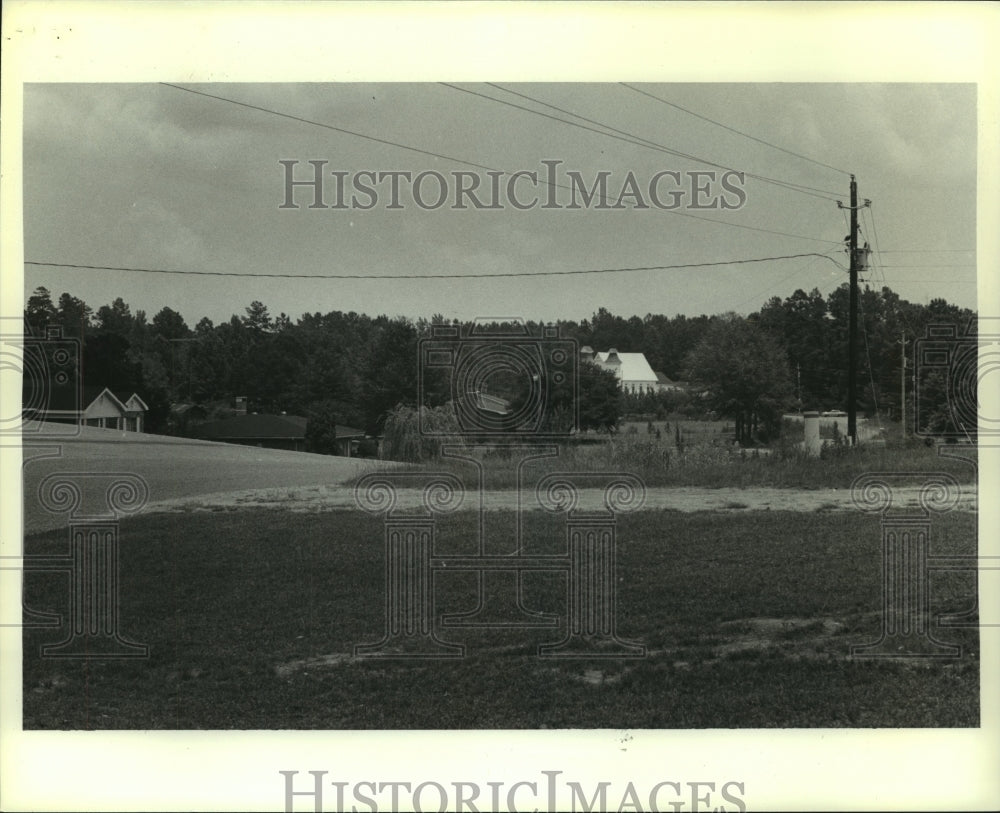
point(327, 498)
point(191, 475)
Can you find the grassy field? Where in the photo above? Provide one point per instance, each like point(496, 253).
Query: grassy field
point(252, 616)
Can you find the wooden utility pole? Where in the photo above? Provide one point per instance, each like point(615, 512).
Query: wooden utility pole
point(852, 339)
point(902, 388)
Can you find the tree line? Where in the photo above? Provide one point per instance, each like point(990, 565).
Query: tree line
point(790, 354)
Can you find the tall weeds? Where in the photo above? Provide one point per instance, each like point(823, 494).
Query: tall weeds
point(663, 463)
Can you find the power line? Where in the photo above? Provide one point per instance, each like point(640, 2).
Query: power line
point(875, 260)
point(781, 281)
point(949, 281)
point(631, 138)
point(390, 143)
point(824, 194)
point(878, 247)
point(426, 276)
point(733, 130)
point(342, 130)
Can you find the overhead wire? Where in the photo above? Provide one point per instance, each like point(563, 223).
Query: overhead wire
point(732, 129)
point(389, 142)
point(488, 275)
point(822, 193)
point(631, 138)
point(870, 213)
point(929, 250)
point(873, 267)
point(781, 281)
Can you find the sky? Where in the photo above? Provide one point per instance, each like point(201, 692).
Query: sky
point(155, 177)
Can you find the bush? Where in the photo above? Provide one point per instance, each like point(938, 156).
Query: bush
point(404, 441)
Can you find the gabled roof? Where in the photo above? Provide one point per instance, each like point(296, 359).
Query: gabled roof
point(136, 404)
point(127, 403)
point(634, 367)
point(68, 398)
point(102, 392)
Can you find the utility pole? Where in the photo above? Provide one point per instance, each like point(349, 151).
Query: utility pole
point(902, 388)
point(852, 338)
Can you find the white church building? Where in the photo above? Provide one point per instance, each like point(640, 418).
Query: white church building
point(632, 370)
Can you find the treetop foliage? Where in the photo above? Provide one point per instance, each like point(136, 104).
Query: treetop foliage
point(791, 353)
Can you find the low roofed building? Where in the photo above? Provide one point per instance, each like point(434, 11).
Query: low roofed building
point(273, 432)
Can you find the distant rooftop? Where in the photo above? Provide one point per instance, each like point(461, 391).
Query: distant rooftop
point(260, 427)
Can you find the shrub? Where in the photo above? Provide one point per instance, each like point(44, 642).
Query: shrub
point(404, 441)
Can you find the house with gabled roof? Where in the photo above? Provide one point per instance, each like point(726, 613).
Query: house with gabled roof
point(91, 406)
point(106, 410)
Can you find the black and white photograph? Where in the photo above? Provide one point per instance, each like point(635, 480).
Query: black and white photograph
point(473, 435)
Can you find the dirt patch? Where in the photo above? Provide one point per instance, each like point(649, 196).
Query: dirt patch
point(321, 662)
point(758, 634)
point(686, 499)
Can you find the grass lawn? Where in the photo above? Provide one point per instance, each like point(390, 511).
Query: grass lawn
point(748, 621)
